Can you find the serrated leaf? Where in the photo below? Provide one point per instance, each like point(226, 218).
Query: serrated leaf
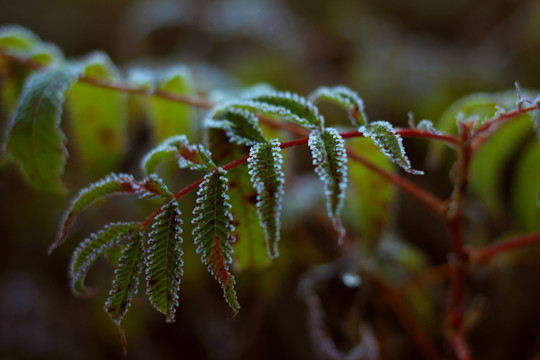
point(241, 126)
point(330, 161)
point(112, 184)
point(367, 204)
point(525, 186)
point(195, 157)
point(213, 232)
point(94, 246)
point(98, 117)
point(250, 250)
point(126, 280)
point(168, 118)
point(287, 106)
point(345, 98)
point(490, 159)
point(264, 163)
point(391, 144)
point(35, 139)
point(164, 261)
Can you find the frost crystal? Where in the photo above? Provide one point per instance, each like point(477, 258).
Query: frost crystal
point(344, 97)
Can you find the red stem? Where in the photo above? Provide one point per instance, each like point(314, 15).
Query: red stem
point(486, 253)
point(460, 346)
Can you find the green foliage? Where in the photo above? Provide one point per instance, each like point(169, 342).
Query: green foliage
point(527, 182)
point(98, 117)
point(345, 98)
point(391, 144)
point(264, 165)
point(35, 140)
point(330, 160)
point(164, 261)
point(241, 126)
point(88, 251)
point(213, 226)
point(126, 280)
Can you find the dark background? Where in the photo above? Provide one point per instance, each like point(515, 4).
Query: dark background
point(400, 56)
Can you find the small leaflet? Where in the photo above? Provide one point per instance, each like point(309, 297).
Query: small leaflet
point(240, 126)
point(391, 144)
point(330, 161)
point(344, 97)
point(265, 167)
point(195, 157)
point(164, 261)
point(126, 280)
point(89, 250)
point(427, 125)
point(213, 232)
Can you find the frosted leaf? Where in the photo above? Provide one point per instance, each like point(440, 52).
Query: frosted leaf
point(344, 97)
point(391, 144)
point(265, 167)
point(427, 125)
point(220, 96)
point(240, 126)
point(330, 161)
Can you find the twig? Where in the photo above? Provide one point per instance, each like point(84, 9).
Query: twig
point(486, 253)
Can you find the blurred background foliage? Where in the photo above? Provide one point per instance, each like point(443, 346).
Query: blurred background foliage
point(400, 56)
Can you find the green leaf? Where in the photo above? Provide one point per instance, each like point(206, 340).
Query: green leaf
point(489, 161)
point(330, 160)
point(369, 196)
point(17, 38)
point(164, 261)
point(98, 117)
point(88, 251)
point(264, 165)
point(168, 118)
point(126, 280)
point(345, 98)
point(213, 232)
point(287, 106)
point(241, 126)
point(526, 188)
point(250, 250)
point(112, 184)
point(35, 140)
point(195, 157)
point(391, 144)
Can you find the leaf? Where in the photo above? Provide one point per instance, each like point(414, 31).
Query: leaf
point(369, 196)
point(98, 117)
point(345, 98)
point(17, 38)
point(287, 106)
point(164, 261)
point(330, 160)
point(35, 140)
point(264, 165)
point(525, 186)
point(92, 247)
point(195, 157)
point(213, 227)
point(489, 161)
point(391, 144)
point(250, 250)
point(126, 280)
point(168, 118)
point(427, 125)
point(241, 126)
point(112, 184)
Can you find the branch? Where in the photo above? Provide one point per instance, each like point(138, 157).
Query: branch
point(486, 253)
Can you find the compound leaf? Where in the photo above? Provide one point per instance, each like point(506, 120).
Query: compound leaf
point(126, 280)
point(164, 261)
point(345, 98)
point(241, 126)
point(213, 232)
point(111, 184)
point(264, 163)
point(94, 246)
point(391, 144)
point(330, 160)
point(35, 139)
point(98, 117)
